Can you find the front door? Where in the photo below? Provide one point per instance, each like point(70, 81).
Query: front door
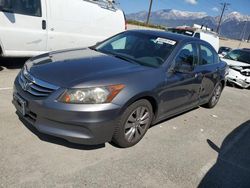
point(23, 29)
point(181, 90)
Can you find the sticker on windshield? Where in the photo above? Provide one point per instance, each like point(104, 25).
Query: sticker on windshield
point(189, 32)
point(166, 41)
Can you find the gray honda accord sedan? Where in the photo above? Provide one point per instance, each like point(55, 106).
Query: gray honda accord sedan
point(115, 90)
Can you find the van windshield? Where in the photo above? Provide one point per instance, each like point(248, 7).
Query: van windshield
point(139, 48)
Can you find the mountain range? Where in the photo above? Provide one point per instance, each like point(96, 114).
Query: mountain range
point(233, 24)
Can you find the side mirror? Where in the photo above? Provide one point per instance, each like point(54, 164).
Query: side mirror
point(184, 67)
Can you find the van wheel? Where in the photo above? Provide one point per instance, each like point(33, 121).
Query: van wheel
point(215, 97)
point(133, 124)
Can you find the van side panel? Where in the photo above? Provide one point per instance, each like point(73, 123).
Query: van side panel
point(212, 39)
point(21, 34)
point(80, 23)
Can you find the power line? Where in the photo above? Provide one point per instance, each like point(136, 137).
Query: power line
point(222, 13)
point(149, 11)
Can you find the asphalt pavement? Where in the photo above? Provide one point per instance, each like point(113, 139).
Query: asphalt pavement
point(203, 147)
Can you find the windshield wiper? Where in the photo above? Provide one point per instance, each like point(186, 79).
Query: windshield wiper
point(93, 48)
point(121, 56)
point(125, 58)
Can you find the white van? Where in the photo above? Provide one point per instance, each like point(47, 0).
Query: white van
point(200, 32)
point(32, 27)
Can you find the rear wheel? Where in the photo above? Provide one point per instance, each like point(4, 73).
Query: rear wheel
point(215, 97)
point(133, 124)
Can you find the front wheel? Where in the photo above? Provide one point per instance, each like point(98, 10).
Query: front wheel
point(215, 96)
point(133, 124)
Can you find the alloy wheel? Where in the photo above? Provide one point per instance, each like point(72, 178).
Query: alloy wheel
point(136, 124)
point(216, 95)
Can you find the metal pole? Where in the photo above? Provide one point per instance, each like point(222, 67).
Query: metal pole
point(243, 34)
point(149, 11)
point(221, 16)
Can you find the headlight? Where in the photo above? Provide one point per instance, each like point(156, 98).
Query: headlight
point(93, 95)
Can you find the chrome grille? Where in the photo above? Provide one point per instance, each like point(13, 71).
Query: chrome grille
point(35, 86)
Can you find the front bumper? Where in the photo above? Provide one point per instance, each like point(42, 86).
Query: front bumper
point(82, 124)
point(237, 78)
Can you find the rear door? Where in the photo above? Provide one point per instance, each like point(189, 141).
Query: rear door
point(209, 68)
point(23, 27)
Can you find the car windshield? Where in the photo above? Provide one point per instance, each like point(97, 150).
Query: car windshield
point(239, 55)
point(139, 48)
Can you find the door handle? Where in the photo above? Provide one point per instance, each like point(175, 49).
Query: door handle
point(44, 25)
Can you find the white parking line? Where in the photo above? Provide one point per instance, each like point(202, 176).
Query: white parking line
point(6, 88)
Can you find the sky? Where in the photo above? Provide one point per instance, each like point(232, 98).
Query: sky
point(211, 7)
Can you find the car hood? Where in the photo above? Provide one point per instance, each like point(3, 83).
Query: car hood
point(235, 63)
point(73, 67)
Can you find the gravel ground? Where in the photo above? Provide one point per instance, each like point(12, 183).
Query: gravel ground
point(203, 147)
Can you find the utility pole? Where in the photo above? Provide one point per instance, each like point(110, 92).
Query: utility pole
point(149, 11)
point(248, 38)
point(244, 31)
point(243, 34)
point(221, 16)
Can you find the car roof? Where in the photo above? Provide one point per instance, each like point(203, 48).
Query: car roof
point(164, 34)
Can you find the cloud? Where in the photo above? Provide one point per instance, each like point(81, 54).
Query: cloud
point(192, 2)
point(215, 9)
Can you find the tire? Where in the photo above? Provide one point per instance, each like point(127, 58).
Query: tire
point(215, 97)
point(133, 124)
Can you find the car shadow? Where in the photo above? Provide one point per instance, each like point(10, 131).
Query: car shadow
point(232, 168)
point(12, 63)
point(58, 141)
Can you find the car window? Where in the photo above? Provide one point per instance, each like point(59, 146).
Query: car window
point(145, 49)
point(25, 7)
point(207, 56)
point(123, 43)
point(187, 55)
